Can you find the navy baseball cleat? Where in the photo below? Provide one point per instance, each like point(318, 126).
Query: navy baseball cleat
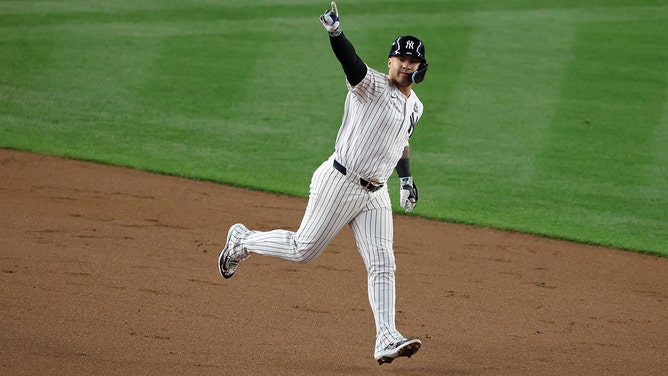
point(230, 257)
point(405, 347)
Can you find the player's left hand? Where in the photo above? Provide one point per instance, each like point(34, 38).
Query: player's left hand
point(408, 195)
point(330, 20)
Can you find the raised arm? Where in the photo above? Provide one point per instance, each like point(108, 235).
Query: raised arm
point(353, 66)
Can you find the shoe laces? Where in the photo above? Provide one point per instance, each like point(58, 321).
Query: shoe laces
point(232, 263)
point(234, 260)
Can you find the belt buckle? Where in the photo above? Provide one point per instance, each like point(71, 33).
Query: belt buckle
point(369, 185)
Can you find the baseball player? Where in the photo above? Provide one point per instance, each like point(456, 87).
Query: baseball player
point(350, 188)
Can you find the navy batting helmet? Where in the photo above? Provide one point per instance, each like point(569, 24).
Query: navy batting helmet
point(408, 45)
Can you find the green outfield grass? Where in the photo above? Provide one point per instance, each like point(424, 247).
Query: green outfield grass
point(547, 117)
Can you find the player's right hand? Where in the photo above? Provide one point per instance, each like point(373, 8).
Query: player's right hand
point(330, 20)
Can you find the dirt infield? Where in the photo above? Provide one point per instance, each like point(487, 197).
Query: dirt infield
point(106, 270)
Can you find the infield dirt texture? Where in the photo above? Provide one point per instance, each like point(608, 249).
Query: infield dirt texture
point(110, 271)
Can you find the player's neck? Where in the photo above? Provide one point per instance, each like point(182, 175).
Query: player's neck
point(404, 89)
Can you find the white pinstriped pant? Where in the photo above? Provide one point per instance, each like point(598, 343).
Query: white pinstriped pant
point(337, 200)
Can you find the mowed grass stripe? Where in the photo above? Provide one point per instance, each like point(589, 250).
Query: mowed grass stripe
point(250, 94)
point(602, 139)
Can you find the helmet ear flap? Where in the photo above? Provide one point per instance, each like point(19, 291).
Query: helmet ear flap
point(418, 75)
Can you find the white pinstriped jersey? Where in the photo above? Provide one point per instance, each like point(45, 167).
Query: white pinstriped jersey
point(378, 121)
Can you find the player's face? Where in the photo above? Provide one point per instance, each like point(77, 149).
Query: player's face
point(401, 68)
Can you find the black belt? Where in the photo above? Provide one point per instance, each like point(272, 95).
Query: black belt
point(371, 187)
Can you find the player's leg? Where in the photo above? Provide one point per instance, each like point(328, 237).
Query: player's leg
point(332, 203)
point(373, 229)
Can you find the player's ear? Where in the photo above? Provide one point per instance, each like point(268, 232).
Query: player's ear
point(389, 61)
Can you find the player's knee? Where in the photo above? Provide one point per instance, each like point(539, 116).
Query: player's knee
point(305, 254)
point(302, 251)
point(302, 258)
point(382, 267)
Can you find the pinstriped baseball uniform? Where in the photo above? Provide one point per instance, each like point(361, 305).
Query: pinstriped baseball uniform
point(377, 123)
point(350, 187)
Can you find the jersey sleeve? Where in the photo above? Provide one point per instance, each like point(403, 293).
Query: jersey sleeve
point(415, 116)
point(371, 86)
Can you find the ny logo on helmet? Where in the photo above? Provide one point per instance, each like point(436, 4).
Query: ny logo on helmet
point(409, 45)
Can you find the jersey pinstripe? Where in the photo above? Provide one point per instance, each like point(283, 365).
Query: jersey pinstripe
point(378, 121)
point(337, 200)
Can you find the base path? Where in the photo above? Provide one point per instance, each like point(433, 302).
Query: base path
point(106, 270)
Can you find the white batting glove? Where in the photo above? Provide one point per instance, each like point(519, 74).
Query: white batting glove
point(408, 195)
point(330, 20)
